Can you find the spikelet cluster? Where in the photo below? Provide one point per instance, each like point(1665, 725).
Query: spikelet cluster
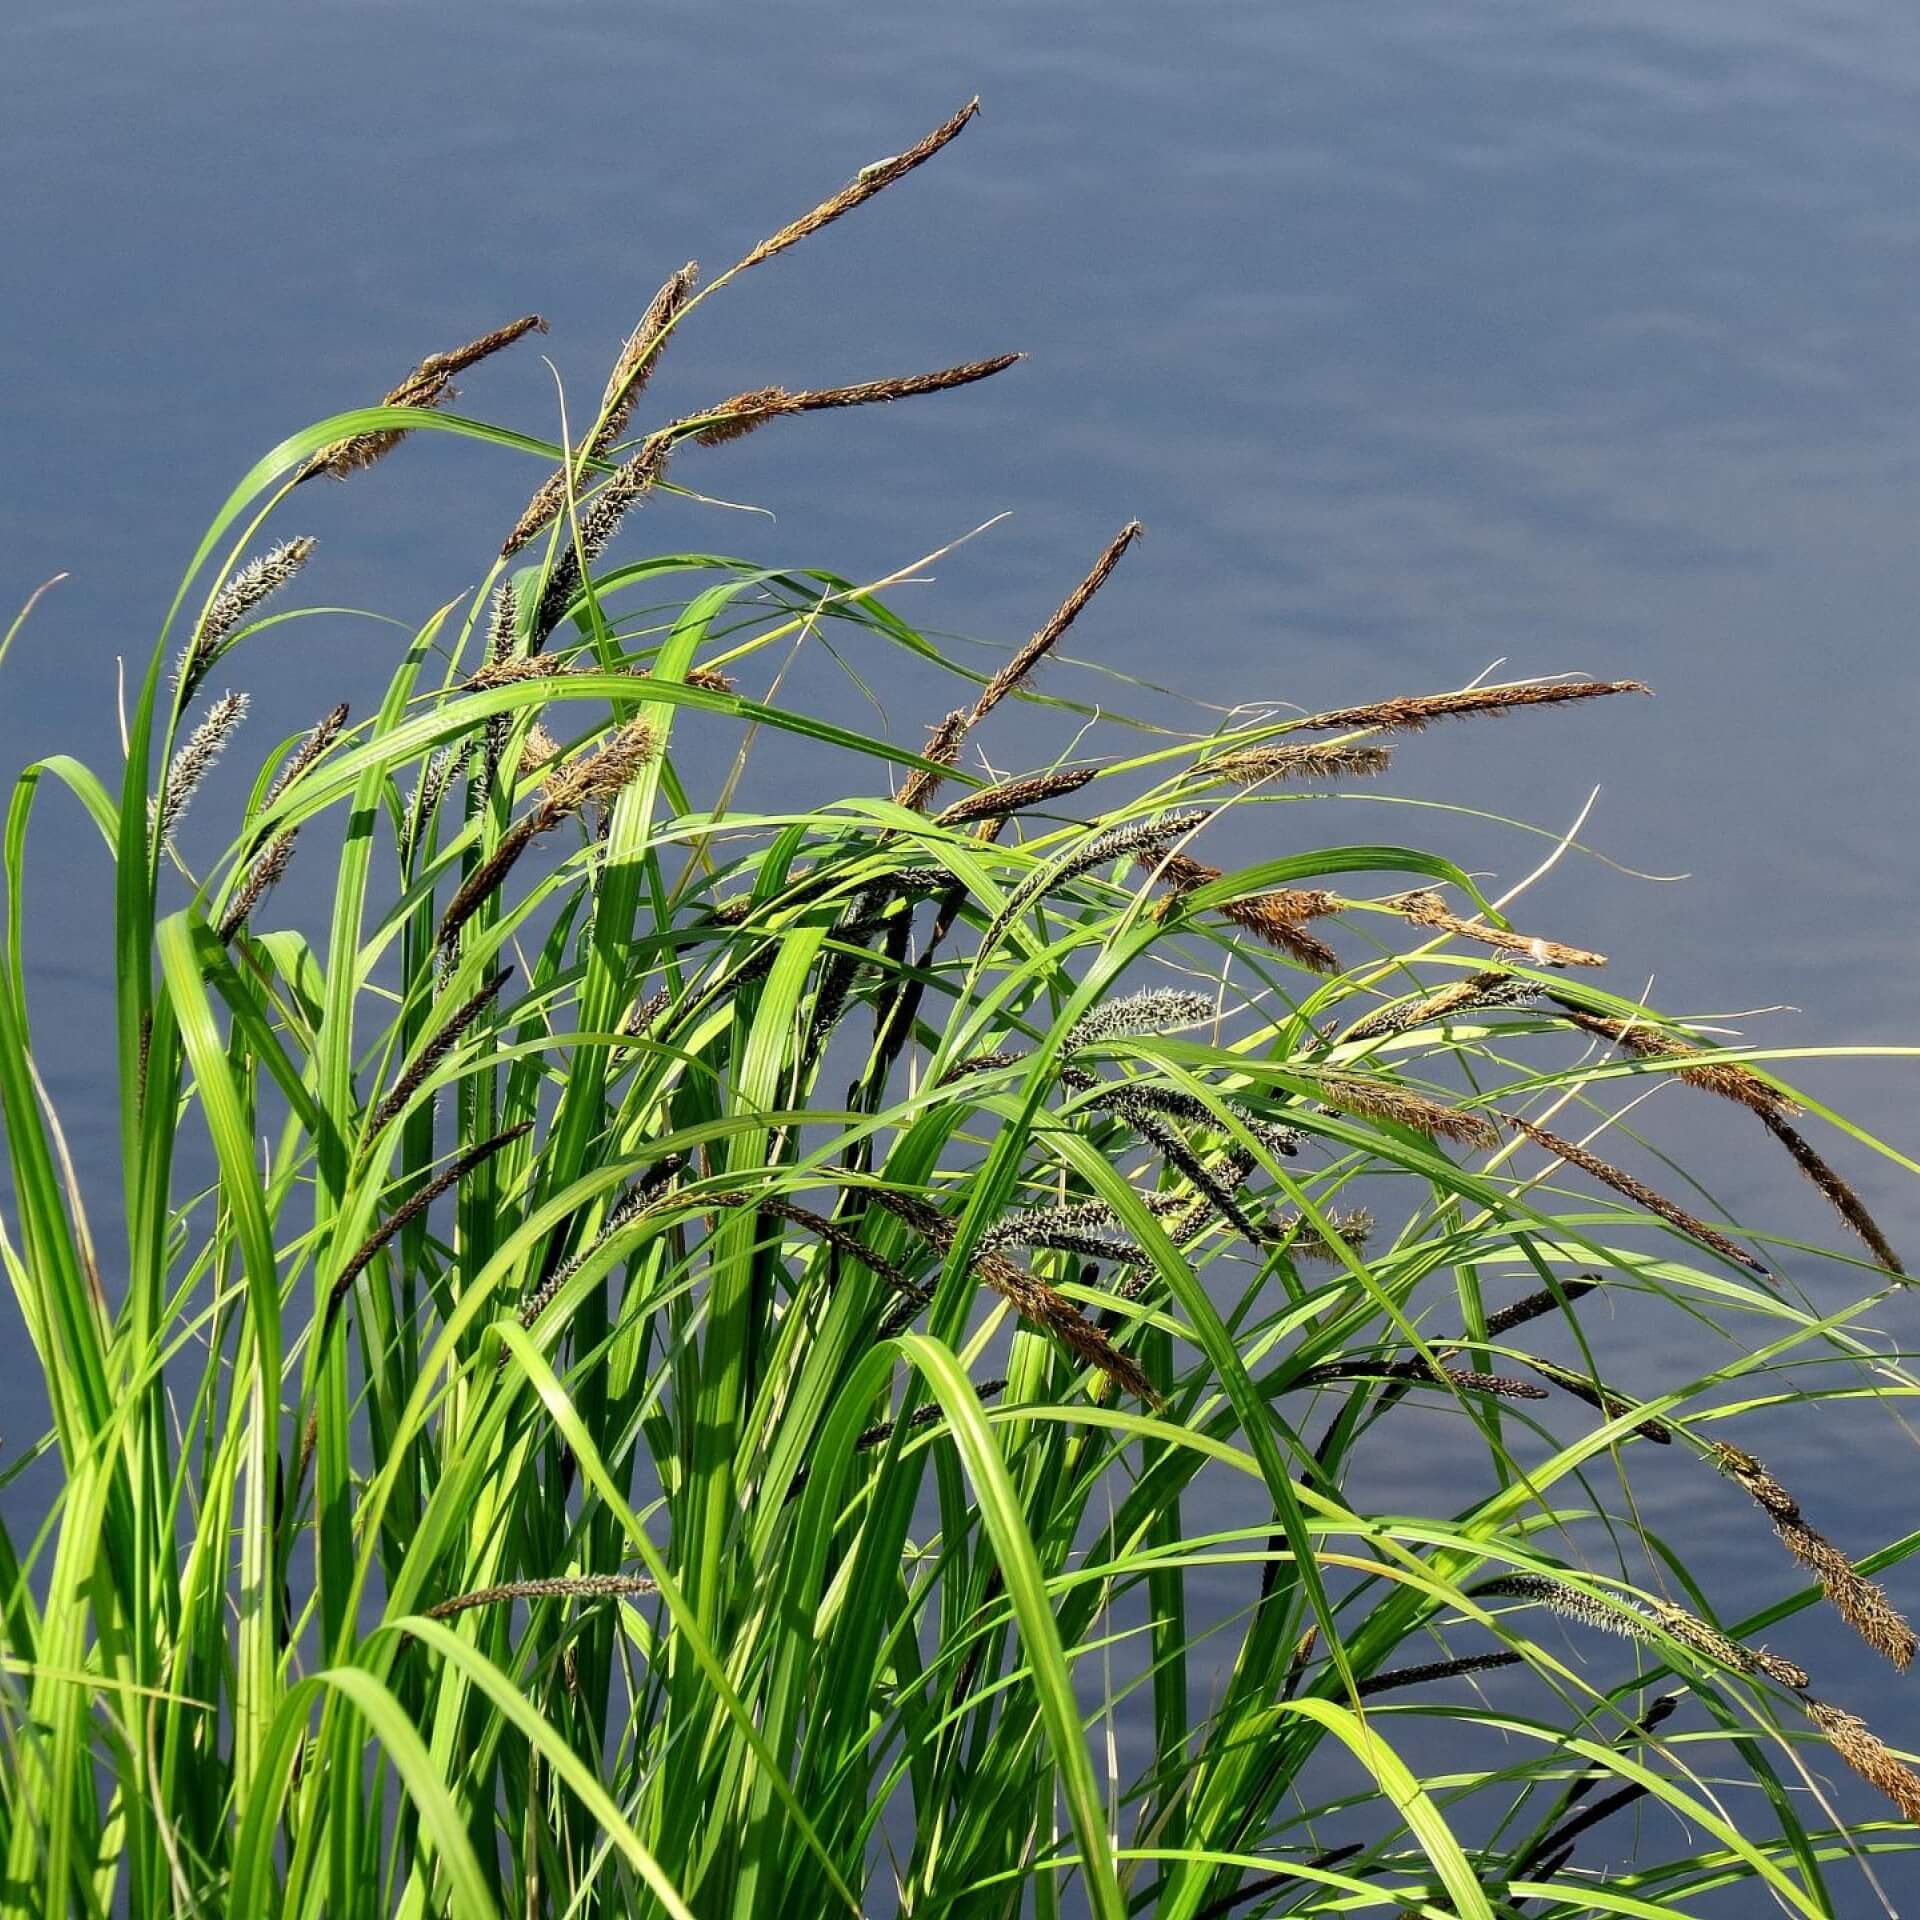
point(430, 384)
point(577, 1586)
point(600, 518)
point(1610, 1402)
point(1088, 1227)
point(411, 1209)
point(1861, 1604)
point(1534, 1305)
point(1028, 1295)
point(1841, 1197)
point(743, 413)
point(443, 1041)
point(945, 744)
point(1640, 1620)
point(1478, 992)
point(1869, 1756)
point(596, 779)
point(1396, 1678)
point(1278, 918)
point(1411, 715)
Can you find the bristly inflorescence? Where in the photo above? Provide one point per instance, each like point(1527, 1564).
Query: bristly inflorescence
point(245, 591)
point(193, 761)
point(1151, 1011)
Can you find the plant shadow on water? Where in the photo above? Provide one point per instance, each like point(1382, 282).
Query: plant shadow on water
point(702, 1364)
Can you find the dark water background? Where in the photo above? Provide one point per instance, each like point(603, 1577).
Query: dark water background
point(1421, 336)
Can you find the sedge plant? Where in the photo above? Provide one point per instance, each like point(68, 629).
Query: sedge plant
point(674, 1359)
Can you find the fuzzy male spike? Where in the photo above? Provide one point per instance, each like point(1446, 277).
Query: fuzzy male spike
point(1397, 1677)
point(1028, 1295)
point(1534, 1305)
point(275, 857)
point(1479, 991)
point(744, 412)
point(411, 1209)
point(859, 190)
point(631, 372)
point(1020, 668)
point(250, 587)
point(1373, 1098)
point(1609, 1402)
point(599, 520)
point(1642, 1620)
point(1498, 1386)
point(430, 384)
point(1310, 760)
point(1278, 918)
point(574, 785)
point(1862, 1605)
point(1411, 715)
point(1639, 1193)
point(1129, 1096)
point(1650, 1042)
point(1429, 910)
point(577, 1586)
point(1014, 796)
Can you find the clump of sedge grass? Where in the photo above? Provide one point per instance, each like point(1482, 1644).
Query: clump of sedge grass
point(685, 1275)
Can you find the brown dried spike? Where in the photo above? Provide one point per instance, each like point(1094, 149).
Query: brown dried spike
point(1312, 760)
point(1374, 1099)
point(1016, 671)
point(1638, 1192)
point(1861, 1604)
point(1857, 1744)
point(943, 746)
point(437, 1049)
point(428, 385)
point(1410, 715)
point(1429, 910)
point(1014, 796)
point(1726, 1078)
point(862, 188)
point(1276, 918)
point(1844, 1201)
